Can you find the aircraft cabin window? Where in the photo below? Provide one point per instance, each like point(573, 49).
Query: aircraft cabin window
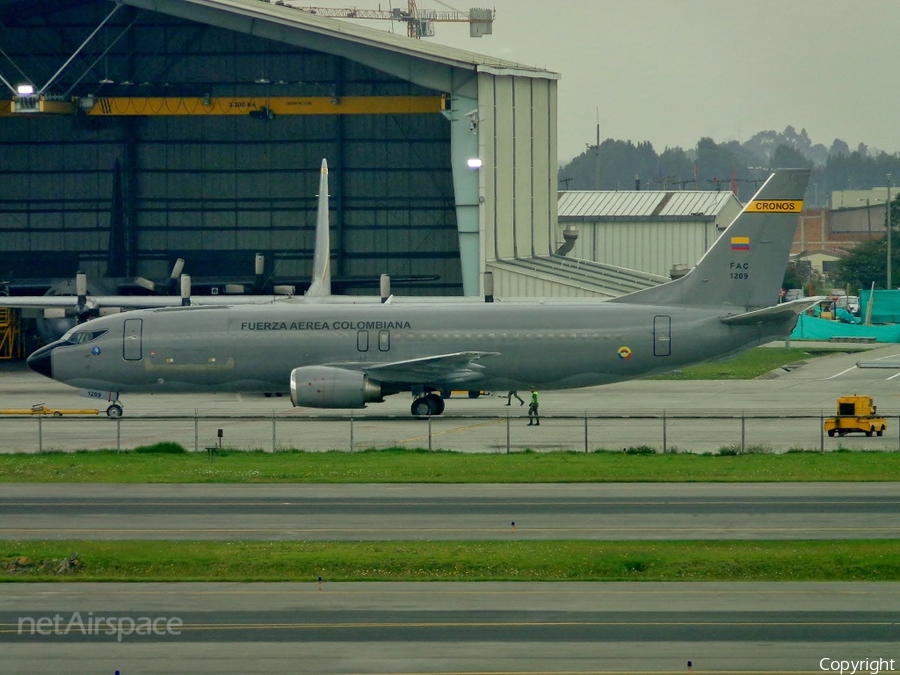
point(80, 337)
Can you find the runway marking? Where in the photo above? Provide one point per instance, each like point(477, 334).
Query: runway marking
point(841, 373)
point(466, 427)
point(376, 625)
point(369, 530)
point(335, 589)
point(325, 502)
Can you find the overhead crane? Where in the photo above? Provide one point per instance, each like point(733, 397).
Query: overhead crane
point(419, 22)
point(265, 107)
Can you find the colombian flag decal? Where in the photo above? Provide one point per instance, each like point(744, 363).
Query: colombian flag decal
point(740, 243)
point(624, 353)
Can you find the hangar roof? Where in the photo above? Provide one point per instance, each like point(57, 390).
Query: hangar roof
point(250, 16)
point(645, 204)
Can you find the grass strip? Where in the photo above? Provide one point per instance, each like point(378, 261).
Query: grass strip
point(422, 466)
point(870, 560)
point(749, 364)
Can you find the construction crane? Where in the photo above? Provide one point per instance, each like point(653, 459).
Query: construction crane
point(419, 22)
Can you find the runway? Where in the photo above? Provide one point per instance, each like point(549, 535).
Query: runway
point(452, 512)
point(510, 628)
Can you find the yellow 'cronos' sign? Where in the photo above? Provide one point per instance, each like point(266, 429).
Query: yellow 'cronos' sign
point(775, 206)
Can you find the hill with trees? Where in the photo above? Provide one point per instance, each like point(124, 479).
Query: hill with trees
point(618, 165)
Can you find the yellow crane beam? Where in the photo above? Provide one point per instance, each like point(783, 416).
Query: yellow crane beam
point(258, 106)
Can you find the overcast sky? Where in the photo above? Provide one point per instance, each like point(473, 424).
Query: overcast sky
point(673, 71)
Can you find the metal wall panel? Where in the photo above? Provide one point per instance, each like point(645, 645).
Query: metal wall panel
point(510, 284)
point(647, 246)
point(517, 117)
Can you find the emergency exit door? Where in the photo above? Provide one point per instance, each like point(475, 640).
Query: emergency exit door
point(662, 335)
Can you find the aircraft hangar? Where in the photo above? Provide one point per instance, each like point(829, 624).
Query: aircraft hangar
point(214, 116)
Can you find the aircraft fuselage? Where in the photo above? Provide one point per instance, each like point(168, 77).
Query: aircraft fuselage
point(254, 349)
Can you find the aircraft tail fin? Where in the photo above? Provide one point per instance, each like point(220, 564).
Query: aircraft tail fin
point(745, 267)
point(321, 276)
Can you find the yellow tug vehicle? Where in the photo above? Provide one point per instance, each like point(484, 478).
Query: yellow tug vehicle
point(855, 414)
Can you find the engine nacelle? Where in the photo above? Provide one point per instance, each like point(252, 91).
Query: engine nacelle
point(326, 387)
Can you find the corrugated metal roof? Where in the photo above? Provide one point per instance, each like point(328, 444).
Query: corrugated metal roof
point(267, 10)
point(641, 204)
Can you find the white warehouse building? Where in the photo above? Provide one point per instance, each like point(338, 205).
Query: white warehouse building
point(654, 231)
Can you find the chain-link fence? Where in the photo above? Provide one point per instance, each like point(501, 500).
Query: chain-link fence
point(646, 432)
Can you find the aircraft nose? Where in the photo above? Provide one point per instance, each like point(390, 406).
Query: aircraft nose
point(39, 361)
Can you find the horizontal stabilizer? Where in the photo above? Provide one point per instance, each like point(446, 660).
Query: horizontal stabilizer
point(773, 314)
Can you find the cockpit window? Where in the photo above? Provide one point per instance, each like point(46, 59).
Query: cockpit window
point(80, 337)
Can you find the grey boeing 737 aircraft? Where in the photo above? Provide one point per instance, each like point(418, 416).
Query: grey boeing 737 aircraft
point(345, 356)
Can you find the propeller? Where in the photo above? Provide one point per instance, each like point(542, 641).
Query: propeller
point(169, 285)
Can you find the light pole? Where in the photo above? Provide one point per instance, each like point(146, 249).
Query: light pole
point(889, 232)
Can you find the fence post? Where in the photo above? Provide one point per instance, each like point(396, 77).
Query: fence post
point(274, 437)
point(196, 431)
point(821, 430)
point(743, 433)
point(40, 434)
point(118, 434)
point(585, 432)
point(351, 431)
point(665, 440)
point(507, 433)
point(429, 432)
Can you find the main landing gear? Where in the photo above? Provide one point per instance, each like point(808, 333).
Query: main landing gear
point(427, 406)
point(114, 410)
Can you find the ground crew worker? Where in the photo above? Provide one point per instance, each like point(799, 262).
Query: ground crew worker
point(533, 417)
point(516, 394)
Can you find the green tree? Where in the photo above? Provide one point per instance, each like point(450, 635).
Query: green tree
point(786, 157)
point(794, 276)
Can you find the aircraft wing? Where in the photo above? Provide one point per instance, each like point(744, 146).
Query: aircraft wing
point(441, 368)
point(772, 314)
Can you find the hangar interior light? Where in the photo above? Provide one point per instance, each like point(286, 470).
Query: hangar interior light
point(474, 163)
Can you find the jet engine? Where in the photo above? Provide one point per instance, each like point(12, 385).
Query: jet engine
point(327, 387)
